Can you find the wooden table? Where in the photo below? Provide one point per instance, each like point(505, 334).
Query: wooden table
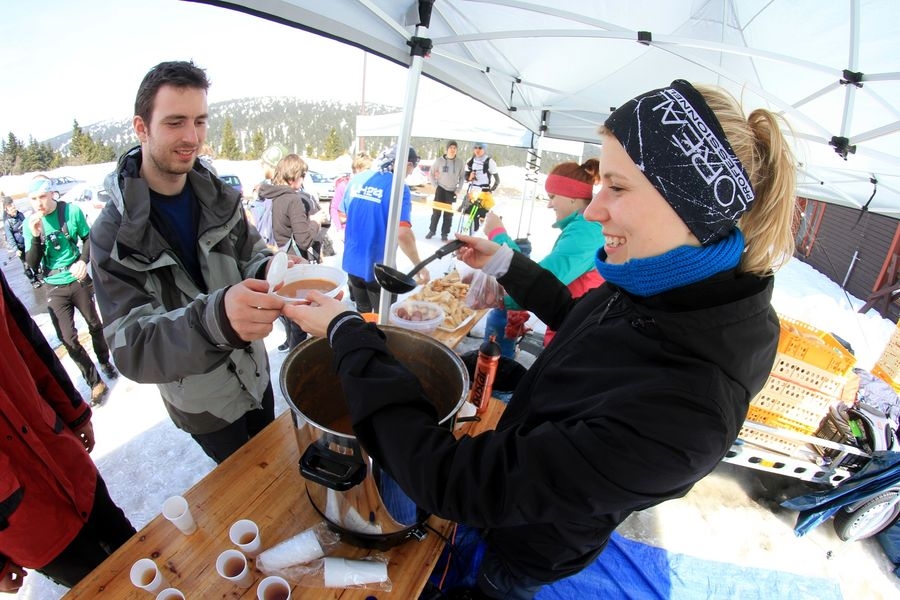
point(260, 481)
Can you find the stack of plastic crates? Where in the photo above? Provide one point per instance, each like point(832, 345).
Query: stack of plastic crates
point(888, 366)
point(808, 377)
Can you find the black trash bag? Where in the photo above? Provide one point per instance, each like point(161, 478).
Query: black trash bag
point(509, 372)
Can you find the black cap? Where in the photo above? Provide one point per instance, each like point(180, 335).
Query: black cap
point(413, 157)
point(452, 143)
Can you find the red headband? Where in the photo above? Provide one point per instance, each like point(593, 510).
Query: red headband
point(568, 187)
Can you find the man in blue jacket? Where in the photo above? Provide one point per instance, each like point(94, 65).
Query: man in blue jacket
point(13, 223)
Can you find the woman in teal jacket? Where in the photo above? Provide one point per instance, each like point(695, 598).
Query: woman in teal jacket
point(570, 189)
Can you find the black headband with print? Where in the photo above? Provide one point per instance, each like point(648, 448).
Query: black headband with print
point(676, 140)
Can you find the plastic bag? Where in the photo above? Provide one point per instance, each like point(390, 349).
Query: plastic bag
point(484, 292)
point(370, 573)
point(465, 206)
point(306, 546)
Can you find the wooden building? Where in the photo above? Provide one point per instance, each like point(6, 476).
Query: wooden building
point(856, 249)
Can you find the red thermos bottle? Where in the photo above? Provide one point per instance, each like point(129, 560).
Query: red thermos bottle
point(485, 370)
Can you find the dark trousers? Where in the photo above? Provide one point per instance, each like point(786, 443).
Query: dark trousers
point(221, 444)
point(106, 529)
point(495, 580)
point(62, 300)
point(442, 195)
point(366, 294)
point(294, 334)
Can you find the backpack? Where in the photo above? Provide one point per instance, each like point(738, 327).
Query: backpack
point(261, 212)
point(61, 215)
point(63, 227)
point(485, 166)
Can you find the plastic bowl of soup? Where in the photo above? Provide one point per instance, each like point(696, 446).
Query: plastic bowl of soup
point(300, 279)
point(417, 315)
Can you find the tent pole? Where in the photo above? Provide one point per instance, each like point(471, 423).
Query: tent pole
point(532, 170)
point(420, 47)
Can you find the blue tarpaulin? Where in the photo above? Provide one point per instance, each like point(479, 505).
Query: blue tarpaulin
point(879, 474)
point(628, 570)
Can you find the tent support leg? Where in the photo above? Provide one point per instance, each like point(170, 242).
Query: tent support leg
point(420, 47)
point(532, 169)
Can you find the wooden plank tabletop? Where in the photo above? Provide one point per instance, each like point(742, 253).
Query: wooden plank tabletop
point(261, 482)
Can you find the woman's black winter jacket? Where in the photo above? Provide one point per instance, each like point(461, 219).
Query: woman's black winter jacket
point(634, 401)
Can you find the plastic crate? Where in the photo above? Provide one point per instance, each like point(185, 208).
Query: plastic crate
point(793, 369)
point(774, 442)
point(888, 365)
point(813, 346)
point(886, 376)
point(779, 420)
point(783, 403)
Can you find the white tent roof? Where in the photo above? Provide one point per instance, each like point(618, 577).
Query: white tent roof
point(463, 121)
point(831, 67)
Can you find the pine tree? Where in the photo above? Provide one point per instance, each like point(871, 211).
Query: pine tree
point(229, 150)
point(11, 155)
point(79, 147)
point(37, 157)
point(83, 150)
point(333, 146)
point(257, 145)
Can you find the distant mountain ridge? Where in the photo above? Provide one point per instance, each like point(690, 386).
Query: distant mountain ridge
point(301, 125)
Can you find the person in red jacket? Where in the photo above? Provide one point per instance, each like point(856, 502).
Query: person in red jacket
point(56, 515)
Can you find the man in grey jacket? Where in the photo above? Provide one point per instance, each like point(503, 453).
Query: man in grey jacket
point(447, 173)
point(179, 273)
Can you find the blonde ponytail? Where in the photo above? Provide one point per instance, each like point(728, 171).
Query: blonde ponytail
point(768, 160)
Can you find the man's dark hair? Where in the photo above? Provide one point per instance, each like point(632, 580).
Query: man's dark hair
point(180, 74)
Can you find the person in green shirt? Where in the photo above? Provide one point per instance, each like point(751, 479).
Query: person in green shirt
point(51, 238)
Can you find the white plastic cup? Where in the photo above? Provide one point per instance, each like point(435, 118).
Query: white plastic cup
point(176, 510)
point(340, 572)
point(232, 566)
point(170, 594)
point(147, 576)
point(245, 535)
point(273, 587)
point(301, 548)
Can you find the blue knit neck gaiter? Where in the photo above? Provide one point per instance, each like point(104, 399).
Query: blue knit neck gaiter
point(676, 268)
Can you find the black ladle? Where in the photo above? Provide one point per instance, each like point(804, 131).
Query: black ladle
point(397, 282)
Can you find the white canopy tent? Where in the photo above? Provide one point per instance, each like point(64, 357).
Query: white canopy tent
point(560, 66)
point(468, 120)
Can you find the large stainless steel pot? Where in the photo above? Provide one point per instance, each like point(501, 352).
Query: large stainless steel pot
point(343, 483)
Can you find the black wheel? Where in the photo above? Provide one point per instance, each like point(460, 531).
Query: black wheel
point(870, 518)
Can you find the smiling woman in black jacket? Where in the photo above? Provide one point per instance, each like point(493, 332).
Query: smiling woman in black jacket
point(648, 380)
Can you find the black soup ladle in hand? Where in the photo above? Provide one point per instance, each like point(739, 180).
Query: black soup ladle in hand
point(397, 282)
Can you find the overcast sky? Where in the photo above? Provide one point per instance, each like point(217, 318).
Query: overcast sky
point(84, 60)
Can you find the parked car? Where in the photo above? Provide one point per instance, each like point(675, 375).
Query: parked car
point(61, 185)
point(234, 181)
point(90, 199)
point(320, 184)
point(417, 178)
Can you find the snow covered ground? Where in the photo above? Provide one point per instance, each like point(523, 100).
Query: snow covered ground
point(731, 516)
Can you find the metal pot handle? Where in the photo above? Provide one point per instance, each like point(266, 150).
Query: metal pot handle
point(335, 471)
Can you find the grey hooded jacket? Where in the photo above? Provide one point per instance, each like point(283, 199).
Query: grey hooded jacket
point(160, 326)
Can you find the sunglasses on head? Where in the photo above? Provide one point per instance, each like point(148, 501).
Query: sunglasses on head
point(479, 147)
